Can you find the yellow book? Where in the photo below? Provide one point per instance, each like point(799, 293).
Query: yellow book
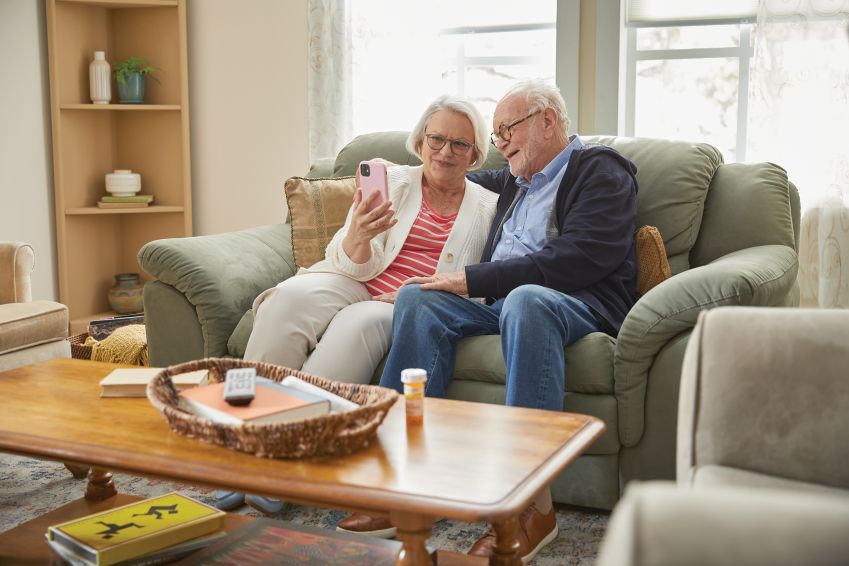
point(138, 528)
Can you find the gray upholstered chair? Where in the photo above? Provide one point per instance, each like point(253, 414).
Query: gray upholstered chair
point(30, 331)
point(730, 232)
point(763, 449)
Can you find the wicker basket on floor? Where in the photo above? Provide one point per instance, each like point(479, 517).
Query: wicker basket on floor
point(334, 434)
point(79, 351)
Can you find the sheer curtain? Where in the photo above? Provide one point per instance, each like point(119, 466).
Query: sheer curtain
point(799, 118)
point(329, 76)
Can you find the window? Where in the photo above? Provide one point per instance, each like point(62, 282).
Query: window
point(402, 60)
point(687, 71)
point(690, 82)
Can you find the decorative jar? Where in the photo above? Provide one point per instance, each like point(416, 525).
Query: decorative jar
point(125, 296)
point(100, 79)
point(123, 183)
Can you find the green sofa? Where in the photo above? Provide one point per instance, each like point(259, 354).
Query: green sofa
point(731, 237)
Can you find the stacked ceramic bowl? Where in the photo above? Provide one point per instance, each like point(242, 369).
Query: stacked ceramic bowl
point(123, 183)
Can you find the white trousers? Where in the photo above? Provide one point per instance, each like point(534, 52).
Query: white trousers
point(323, 323)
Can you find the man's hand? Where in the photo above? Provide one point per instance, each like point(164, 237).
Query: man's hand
point(450, 282)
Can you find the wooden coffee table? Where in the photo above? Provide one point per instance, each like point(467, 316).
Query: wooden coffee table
point(469, 461)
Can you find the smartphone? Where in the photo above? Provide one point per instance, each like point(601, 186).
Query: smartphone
point(372, 179)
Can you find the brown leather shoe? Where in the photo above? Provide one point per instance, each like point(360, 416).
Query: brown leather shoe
point(362, 524)
point(535, 531)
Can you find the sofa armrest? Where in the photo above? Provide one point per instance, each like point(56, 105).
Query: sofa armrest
point(17, 260)
point(219, 275)
point(658, 524)
point(758, 276)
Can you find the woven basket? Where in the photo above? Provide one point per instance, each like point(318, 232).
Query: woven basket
point(79, 351)
point(334, 434)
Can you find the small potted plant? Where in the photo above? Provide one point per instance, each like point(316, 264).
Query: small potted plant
point(130, 74)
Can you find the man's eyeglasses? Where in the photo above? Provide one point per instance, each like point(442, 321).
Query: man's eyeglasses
point(458, 147)
point(505, 132)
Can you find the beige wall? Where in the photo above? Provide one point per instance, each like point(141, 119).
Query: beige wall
point(26, 181)
point(248, 109)
point(248, 112)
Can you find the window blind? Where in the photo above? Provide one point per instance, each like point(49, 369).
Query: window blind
point(676, 12)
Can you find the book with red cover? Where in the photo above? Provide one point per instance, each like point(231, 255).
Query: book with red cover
point(269, 541)
point(273, 403)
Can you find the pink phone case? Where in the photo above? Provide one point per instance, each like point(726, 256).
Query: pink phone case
point(372, 176)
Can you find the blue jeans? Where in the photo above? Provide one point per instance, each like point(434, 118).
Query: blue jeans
point(535, 324)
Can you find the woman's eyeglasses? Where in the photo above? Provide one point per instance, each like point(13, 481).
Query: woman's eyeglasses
point(505, 132)
point(437, 142)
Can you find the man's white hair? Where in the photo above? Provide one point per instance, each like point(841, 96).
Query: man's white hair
point(541, 95)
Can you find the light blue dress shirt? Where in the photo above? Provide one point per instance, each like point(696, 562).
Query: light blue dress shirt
point(525, 231)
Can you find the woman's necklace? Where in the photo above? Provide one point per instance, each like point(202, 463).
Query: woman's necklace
point(441, 202)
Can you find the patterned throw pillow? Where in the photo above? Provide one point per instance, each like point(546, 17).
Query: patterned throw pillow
point(318, 208)
point(652, 263)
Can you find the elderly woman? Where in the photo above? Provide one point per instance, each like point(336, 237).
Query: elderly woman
point(334, 318)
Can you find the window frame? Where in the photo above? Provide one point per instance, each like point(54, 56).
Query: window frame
point(744, 53)
point(460, 61)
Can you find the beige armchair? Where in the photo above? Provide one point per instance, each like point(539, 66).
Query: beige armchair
point(30, 331)
point(763, 448)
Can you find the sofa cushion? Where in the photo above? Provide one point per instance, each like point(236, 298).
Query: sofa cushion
point(705, 476)
point(652, 263)
point(673, 179)
point(317, 208)
point(589, 362)
point(238, 341)
point(23, 325)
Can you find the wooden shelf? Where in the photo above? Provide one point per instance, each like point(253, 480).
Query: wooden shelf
point(91, 140)
point(108, 107)
point(153, 209)
point(123, 3)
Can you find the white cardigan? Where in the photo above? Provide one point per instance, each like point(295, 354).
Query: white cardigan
point(464, 246)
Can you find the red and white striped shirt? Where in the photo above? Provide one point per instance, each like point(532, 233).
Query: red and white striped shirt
point(420, 253)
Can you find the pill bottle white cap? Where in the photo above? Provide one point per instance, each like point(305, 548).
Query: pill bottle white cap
point(413, 375)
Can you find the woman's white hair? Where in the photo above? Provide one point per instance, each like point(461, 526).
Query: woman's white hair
point(459, 105)
point(540, 95)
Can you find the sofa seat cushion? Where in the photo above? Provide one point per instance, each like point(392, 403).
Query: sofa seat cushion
point(23, 325)
point(714, 475)
point(589, 362)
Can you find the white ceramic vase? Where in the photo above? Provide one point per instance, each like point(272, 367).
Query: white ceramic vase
point(123, 183)
point(100, 79)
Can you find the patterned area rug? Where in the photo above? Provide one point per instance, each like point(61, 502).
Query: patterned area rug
point(29, 488)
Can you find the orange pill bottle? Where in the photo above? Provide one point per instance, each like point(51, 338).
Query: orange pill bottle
point(414, 384)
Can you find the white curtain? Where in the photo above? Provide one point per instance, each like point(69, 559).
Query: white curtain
point(329, 77)
point(799, 118)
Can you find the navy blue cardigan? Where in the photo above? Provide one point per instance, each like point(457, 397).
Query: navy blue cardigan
point(592, 252)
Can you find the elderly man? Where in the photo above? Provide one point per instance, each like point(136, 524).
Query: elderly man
point(560, 263)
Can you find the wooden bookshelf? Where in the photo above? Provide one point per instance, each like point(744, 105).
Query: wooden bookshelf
point(91, 140)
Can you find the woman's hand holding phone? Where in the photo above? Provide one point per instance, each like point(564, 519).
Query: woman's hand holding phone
point(372, 211)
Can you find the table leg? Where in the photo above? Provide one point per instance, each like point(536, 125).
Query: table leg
point(413, 531)
point(77, 470)
point(506, 549)
point(100, 485)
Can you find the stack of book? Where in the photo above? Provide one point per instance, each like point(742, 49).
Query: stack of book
point(134, 201)
point(272, 403)
point(150, 531)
